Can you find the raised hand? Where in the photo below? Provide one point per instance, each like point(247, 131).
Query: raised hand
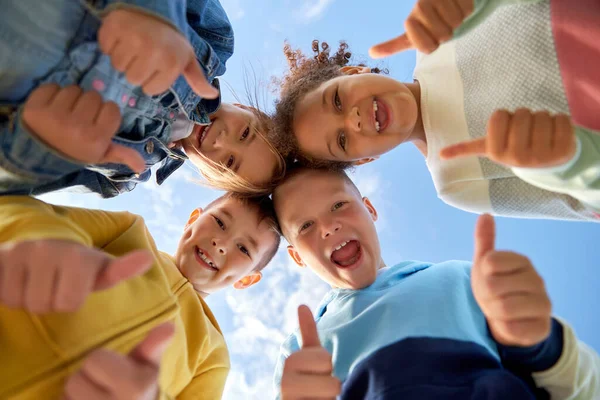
point(57, 275)
point(522, 139)
point(109, 375)
point(509, 291)
point(151, 53)
point(430, 23)
point(79, 125)
point(307, 373)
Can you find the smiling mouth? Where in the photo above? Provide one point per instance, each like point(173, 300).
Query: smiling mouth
point(204, 260)
point(381, 115)
point(347, 254)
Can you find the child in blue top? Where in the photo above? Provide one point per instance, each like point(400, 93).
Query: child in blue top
point(417, 330)
point(75, 73)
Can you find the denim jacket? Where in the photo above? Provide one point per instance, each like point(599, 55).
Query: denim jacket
point(28, 166)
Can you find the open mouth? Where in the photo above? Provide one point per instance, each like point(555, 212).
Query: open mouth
point(381, 115)
point(204, 259)
point(347, 254)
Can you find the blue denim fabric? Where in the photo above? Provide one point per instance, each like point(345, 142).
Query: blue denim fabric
point(55, 42)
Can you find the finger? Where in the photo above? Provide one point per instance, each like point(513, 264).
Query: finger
point(110, 371)
point(525, 281)
point(524, 333)
point(121, 56)
point(139, 71)
point(106, 39)
point(519, 137)
point(120, 154)
point(14, 281)
point(308, 327)
point(420, 36)
point(305, 386)
point(75, 281)
point(151, 349)
point(108, 119)
point(485, 237)
point(195, 78)
point(565, 134)
point(88, 106)
point(67, 97)
point(497, 133)
point(41, 284)
point(504, 263)
point(393, 46)
point(43, 95)
point(518, 306)
point(120, 269)
point(159, 82)
point(466, 7)
point(475, 147)
point(79, 386)
point(542, 133)
point(451, 13)
point(310, 360)
point(433, 22)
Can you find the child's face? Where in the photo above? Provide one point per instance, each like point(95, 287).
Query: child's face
point(222, 245)
point(333, 233)
point(232, 141)
point(354, 117)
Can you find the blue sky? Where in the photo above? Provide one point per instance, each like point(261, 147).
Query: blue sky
point(413, 223)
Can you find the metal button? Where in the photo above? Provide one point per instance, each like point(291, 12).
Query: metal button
point(137, 175)
point(150, 147)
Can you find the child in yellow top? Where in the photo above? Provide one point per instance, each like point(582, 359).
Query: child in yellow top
point(49, 265)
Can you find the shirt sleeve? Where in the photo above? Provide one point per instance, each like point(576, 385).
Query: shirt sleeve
point(25, 160)
point(207, 386)
point(26, 218)
point(576, 375)
point(579, 178)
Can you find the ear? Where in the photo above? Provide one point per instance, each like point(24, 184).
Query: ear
point(355, 70)
point(193, 217)
point(364, 161)
point(243, 107)
point(370, 207)
point(295, 256)
point(248, 280)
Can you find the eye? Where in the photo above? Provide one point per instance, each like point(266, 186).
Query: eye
point(230, 162)
point(338, 205)
point(245, 134)
point(219, 222)
point(305, 226)
point(336, 100)
point(244, 250)
point(342, 140)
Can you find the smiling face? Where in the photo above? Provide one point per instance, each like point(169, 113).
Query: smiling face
point(233, 141)
point(333, 233)
point(354, 117)
point(224, 244)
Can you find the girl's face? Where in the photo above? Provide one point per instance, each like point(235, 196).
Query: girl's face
point(232, 140)
point(354, 117)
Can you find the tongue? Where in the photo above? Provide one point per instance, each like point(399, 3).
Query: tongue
point(346, 253)
point(381, 115)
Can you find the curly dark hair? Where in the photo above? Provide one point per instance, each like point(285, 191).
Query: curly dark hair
point(305, 74)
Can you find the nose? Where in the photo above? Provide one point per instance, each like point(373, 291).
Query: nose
point(330, 229)
point(352, 120)
point(220, 140)
point(219, 246)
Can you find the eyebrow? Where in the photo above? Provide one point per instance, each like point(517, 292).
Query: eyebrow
point(226, 213)
point(253, 243)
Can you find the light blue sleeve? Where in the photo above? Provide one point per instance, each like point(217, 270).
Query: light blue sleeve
point(578, 178)
point(289, 346)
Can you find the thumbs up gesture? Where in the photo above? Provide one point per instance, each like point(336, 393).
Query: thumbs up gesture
point(307, 373)
point(57, 275)
point(430, 23)
point(108, 375)
point(509, 291)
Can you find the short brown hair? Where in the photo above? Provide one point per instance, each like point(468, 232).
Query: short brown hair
point(305, 74)
point(266, 213)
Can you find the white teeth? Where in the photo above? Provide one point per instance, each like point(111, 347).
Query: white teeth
point(377, 126)
point(375, 105)
point(342, 245)
point(205, 132)
point(205, 259)
point(375, 108)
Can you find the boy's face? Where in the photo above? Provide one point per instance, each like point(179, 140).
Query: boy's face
point(222, 245)
point(332, 232)
point(354, 117)
point(232, 141)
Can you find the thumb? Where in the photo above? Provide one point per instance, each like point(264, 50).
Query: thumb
point(475, 147)
point(194, 76)
point(393, 46)
point(124, 155)
point(151, 349)
point(123, 268)
point(308, 327)
point(485, 237)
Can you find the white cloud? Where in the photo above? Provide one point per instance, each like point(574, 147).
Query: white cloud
point(234, 9)
point(314, 9)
